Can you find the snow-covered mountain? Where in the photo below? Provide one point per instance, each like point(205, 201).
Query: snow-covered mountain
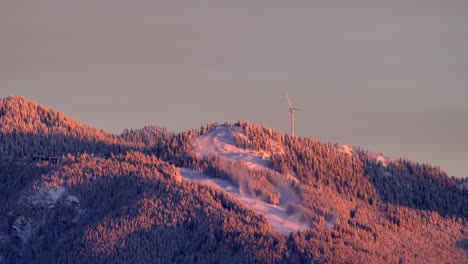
point(231, 193)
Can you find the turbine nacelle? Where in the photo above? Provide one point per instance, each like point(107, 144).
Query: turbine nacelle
point(295, 109)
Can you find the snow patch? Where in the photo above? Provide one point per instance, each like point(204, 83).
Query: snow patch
point(345, 149)
point(382, 160)
point(47, 198)
point(55, 193)
point(22, 228)
point(221, 142)
point(73, 199)
point(277, 216)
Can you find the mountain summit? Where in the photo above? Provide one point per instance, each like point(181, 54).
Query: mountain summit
point(230, 193)
point(17, 114)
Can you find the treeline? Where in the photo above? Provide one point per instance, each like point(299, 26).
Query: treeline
point(312, 162)
point(359, 207)
point(360, 175)
point(418, 186)
point(134, 208)
point(27, 129)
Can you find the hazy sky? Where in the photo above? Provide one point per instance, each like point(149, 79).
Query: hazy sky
point(390, 76)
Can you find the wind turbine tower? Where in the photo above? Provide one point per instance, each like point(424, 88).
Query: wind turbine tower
point(292, 111)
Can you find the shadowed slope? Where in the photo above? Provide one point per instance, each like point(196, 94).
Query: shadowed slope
point(134, 208)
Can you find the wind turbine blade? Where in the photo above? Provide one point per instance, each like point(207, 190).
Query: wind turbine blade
point(289, 101)
point(300, 109)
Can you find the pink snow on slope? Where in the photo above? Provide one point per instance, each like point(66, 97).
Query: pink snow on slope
point(345, 149)
point(221, 142)
point(280, 221)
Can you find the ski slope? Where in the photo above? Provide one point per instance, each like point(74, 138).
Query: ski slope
point(280, 221)
point(221, 142)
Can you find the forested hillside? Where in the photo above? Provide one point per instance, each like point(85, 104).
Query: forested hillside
point(121, 198)
point(28, 128)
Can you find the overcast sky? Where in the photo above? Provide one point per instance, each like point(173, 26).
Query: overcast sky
point(390, 76)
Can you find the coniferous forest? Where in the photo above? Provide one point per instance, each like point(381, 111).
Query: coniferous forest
point(71, 193)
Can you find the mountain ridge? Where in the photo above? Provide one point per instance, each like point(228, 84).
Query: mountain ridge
point(57, 122)
point(239, 189)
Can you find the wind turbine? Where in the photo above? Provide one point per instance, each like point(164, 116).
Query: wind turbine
point(292, 110)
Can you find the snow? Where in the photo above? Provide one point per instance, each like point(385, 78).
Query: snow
point(277, 216)
point(221, 142)
point(382, 160)
point(50, 198)
point(47, 198)
point(73, 199)
point(379, 158)
point(23, 229)
point(55, 193)
point(345, 149)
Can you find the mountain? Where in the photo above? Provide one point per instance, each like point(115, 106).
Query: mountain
point(28, 128)
point(230, 193)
